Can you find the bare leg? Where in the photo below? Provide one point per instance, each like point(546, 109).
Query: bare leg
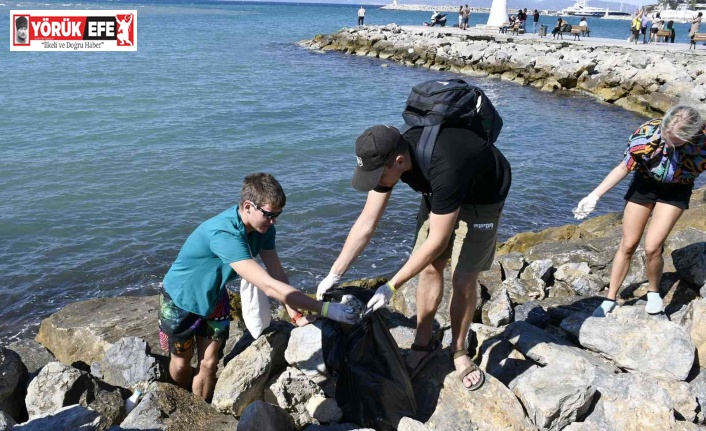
point(180, 368)
point(663, 220)
point(635, 218)
point(429, 293)
point(205, 377)
point(463, 306)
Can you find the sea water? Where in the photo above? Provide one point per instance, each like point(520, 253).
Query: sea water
point(109, 160)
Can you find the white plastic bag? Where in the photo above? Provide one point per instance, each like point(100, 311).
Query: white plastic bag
point(256, 308)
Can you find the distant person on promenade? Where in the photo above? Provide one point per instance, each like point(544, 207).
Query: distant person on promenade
point(460, 17)
point(672, 31)
point(583, 25)
point(466, 15)
point(657, 25)
point(535, 20)
point(635, 26)
point(667, 155)
point(361, 15)
point(524, 20)
point(557, 29)
point(695, 25)
point(520, 17)
point(645, 25)
point(464, 186)
point(194, 299)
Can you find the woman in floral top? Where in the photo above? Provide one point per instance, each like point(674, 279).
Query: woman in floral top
point(667, 155)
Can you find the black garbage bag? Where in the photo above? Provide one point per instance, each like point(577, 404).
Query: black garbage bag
point(373, 388)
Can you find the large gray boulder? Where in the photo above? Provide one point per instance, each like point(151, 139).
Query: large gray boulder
point(261, 416)
point(168, 407)
point(34, 356)
point(292, 390)
point(84, 331)
point(409, 424)
point(12, 374)
point(630, 402)
point(444, 404)
point(634, 341)
point(547, 349)
point(128, 363)
point(305, 352)
point(58, 385)
point(690, 263)
point(555, 395)
point(694, 323)
point(245, 377)
point(69, 418)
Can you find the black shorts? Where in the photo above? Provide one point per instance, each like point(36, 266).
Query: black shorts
point(654, 30)
point(648, 191)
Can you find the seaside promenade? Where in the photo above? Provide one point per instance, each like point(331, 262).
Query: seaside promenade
point(699, 53)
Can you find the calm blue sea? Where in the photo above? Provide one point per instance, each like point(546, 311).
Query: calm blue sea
point(109, 160)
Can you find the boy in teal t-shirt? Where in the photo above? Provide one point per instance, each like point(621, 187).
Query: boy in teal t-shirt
point(194, 300)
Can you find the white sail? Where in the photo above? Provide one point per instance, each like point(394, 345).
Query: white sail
point(498, 13)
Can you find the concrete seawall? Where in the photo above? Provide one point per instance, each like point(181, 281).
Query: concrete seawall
point(648, 79)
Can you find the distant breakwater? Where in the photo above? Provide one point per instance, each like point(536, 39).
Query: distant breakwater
point(640, 78)
point(429, 8)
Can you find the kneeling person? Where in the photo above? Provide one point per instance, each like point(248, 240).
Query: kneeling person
point(194, 300)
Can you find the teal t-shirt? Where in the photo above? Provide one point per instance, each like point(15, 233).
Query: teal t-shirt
point(197, 278)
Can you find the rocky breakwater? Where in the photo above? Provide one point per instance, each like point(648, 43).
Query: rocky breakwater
point(549, 365)
point(636, 78)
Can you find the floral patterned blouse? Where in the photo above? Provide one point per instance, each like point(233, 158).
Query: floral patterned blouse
point(653, 158)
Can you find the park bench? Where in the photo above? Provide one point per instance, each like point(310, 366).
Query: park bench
point(698, 37)
point(664, 33)
point(575, 31)
point(585, 31)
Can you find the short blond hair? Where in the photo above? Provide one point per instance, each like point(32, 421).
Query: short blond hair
point(263, 189)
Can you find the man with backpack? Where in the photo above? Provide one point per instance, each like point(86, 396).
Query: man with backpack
point(445, 151)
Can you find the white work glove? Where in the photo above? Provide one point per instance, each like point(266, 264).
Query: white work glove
point(339, 312)
point(585, 207)
point(382, 296)
point(327, 284)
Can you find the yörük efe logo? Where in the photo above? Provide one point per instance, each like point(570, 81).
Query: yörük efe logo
point(73, 30)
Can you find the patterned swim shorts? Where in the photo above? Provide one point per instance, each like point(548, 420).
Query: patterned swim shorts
point(178, 327)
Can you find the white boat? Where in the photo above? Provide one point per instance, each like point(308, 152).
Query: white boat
point(683, 12)
point(581, 8)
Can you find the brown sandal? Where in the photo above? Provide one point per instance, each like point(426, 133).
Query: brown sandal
point(468, 370)
point(432, 349)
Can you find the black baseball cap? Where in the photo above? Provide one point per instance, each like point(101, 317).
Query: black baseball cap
point(373, 148)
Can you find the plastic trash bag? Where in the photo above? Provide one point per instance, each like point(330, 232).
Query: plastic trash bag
point(373, 388)
point(256, 308)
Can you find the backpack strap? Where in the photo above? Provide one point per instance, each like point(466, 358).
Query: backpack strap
point(425, 147)
point(404, 128)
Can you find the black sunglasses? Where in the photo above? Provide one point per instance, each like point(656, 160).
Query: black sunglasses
point(268, 214)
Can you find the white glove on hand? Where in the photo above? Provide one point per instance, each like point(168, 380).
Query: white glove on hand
point(382, 296)
point(585, 207)
point(327, 284)
point(339, 312)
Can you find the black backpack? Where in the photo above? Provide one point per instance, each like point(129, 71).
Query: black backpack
point(451, 101)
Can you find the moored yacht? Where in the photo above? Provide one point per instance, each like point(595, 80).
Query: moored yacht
point(683, 12)
point(581, 8)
